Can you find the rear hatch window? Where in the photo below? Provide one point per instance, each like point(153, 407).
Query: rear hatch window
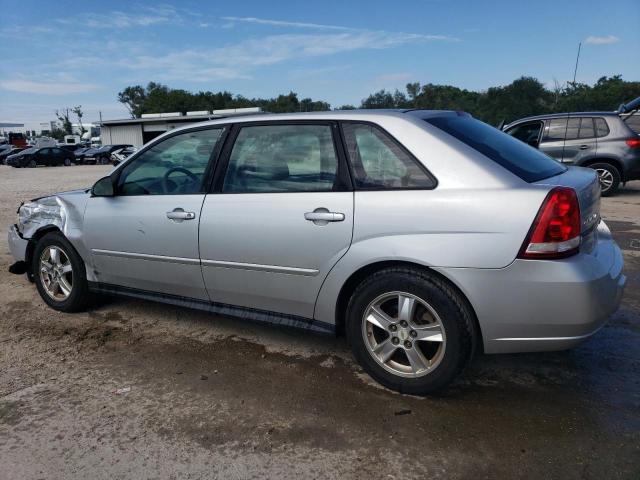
point(519, 158)
point(633, 122)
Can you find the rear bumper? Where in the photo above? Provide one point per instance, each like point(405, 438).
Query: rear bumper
point(17, 244)
point(538, 305)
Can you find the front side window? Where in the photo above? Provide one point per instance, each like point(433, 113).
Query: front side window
point(282, 158)
point(556, 131)
point(378, 162)
point(175, 166)
point(527, 132)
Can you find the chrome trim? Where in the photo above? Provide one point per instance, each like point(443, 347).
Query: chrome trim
point(146, 256)
point(553, 339)
point(307, 272)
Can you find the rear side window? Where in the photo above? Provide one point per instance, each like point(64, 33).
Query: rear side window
point(520, 159)
point(378, 162)
point(586, 128)
point(282, 158)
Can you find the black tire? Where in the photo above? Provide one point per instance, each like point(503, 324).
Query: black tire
point(455, 317)
point(32, 164)
point(612, 175)
point(79, 296)
point(104, 160)
point(67, 162)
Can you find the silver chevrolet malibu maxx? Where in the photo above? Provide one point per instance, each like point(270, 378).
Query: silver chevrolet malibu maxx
point(421, 235)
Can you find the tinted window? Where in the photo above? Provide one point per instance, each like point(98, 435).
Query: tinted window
point(632, 121)
point(527, 132)
point(282, 158)
point(378, 162)
point(520, 159)
point(586, 128)
point(175, 166)
point(573, 128)
point(556, 131)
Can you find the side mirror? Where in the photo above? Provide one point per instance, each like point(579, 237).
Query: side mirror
point(103, 188)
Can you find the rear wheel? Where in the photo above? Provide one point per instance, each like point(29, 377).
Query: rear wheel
point(104, 160)
point(67, 162)
point(60, 274)
point(609, 178)
point(409, 330)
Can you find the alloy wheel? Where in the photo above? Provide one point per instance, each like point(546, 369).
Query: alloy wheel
point(404, 334)
point(606, 178)
point(56, 273)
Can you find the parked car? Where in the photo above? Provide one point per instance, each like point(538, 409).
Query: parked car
point(603, 141)
point(4, 153)
point(422, 235)
point(120, 155)
point(32, 157)
point(80, 153)
point(102, 155)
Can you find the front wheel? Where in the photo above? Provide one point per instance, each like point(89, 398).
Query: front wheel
point(67, 162)
point(60, 274)
point(410, 330)
point(32, 164)
point(609, 178)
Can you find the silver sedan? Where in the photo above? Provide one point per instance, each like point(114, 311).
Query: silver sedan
point(422, 235)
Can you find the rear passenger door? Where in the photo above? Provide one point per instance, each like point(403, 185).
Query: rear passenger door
point(279, 218)
point(580, 140)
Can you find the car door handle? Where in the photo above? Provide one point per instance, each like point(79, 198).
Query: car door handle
point(322, 216)
point(178, 215)
point(585, 147)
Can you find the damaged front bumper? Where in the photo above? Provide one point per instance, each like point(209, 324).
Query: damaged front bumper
point(17, 244)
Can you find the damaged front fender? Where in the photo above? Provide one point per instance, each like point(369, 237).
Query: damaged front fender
point(64, 211)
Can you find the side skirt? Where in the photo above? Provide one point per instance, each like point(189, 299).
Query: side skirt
point(251, 314)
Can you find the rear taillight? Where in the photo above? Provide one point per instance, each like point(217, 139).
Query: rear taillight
point(633, 142)
point(555, 232)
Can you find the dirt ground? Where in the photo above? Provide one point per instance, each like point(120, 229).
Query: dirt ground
point(212, 397)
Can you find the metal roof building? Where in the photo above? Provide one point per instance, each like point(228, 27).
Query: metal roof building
point(138, 131)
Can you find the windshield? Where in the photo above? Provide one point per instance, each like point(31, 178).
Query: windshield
point(519, 158)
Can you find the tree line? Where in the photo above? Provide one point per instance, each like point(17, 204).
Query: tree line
point(522, 97)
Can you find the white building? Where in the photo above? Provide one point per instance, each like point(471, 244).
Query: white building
point(138, 131)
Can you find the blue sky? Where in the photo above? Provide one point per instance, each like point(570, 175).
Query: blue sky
point(65, 53)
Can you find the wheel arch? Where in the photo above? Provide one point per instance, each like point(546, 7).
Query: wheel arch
point(611, 161)
point(363, 272)
point(31, 245)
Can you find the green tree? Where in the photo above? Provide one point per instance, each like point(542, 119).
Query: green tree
point(63, 117)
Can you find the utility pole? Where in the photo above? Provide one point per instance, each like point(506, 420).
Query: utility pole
point(575, 71)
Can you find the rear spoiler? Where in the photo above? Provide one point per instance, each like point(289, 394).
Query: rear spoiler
point(629, 107)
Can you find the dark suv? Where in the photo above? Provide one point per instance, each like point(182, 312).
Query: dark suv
point(604, 141)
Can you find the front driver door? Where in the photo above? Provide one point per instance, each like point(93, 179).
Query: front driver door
point(281, 218)
point(146, 236)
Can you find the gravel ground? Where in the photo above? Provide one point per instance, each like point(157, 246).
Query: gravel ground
point(212, 397)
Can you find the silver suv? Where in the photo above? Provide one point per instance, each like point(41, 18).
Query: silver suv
point(604, 141)
point(421, 235)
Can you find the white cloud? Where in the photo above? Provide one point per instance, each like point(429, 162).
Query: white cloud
point(145, 17)
point(283, 23)
point(320, 26)
point(604, 40)
point(46, 88)
point(238, 60)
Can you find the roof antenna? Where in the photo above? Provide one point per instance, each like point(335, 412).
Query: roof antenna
point(575, 71)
